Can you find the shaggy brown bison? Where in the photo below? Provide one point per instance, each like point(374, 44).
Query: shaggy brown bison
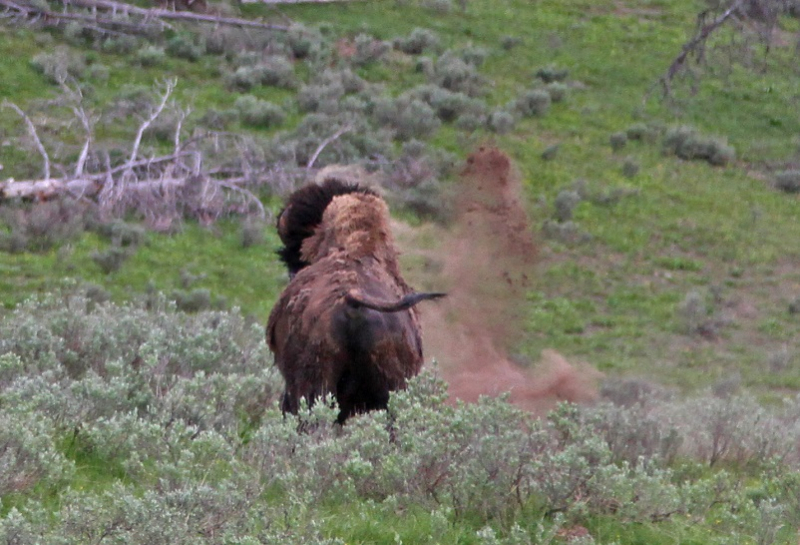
point(346, 323)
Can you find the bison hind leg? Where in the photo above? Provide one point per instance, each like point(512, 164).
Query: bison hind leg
point(358, 394)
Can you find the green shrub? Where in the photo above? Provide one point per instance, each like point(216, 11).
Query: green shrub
point(550, 74)
point(28, 453)
point(111, 259)
point(259, 113)
point(320, 98)
point(470, 122)
point(558, 91)
point(120, 45)
point(641, 131)
point(243, 78)
point(41, 226)
point(455, 74)
point(195, 300)
point(510, 42)
point(565, 204)
point(535, 102)
point(304, 42)
point(426, 66)
point(276, 71)
point(419, 41)
point(251, 232)
point(439, 6)
point(693, 313)
point(60, 65)
point(630, 168)
point(618, 140)
point(368, 50)
point(566, 232)
point(788, 181)
point(448, 105)
point(475, 56)
point(218, 119)
point(183, 46)
point(407, 117)
point(501, 121)
point(686, 143)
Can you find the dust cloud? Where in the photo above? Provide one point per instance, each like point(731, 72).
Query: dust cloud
point(485, 261)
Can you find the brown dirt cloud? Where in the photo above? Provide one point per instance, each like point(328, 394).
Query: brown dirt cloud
point(485, 261)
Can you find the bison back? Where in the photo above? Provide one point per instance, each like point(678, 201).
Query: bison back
point(324, 345)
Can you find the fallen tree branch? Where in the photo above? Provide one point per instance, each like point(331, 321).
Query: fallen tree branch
point(28, 9)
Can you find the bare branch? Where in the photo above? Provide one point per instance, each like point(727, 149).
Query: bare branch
point(34, 135)
point(696, 44)
point(169, 86)
point(323, 145)
point(147, 16)
point(75, 96)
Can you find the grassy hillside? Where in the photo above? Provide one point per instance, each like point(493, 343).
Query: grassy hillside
point(654, 265)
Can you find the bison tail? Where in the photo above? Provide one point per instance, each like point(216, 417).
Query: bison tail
point(358, 300)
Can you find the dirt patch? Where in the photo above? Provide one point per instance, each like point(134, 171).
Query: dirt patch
point(485, 262)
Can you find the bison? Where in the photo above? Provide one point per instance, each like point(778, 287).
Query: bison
point(346, 323)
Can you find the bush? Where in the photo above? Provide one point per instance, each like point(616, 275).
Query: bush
point(407, 117)
point(150, 55)
point(788, 181)
point(448, 105)
point(641, 131)
point(535, 102)
point(60, 65)
point(304, 42)
point(550, 152)
point(565, 204)
point(693, 313)
point(618, 140)
point(550, 74)
point(122, 234)
point(439, 6)
point(510, 42)
point(475, 56)
point(455, 74)
point(557, 91)
point(320, 98)
point(276, 71)
point(121, 45)
point(501, 121)
point(470, 122)
point(417, 42)
point(182, 46)
point(251, 232)
point(566, 232)
point(219, 119)
point(686, 143)
point(368, 50)
point(630, 168)
point(259, 113)
point(110, 260)
point(41, 226)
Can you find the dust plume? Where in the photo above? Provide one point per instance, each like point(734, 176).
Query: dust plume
point(485, 261)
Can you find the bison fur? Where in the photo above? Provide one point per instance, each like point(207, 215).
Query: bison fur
point(346, 323)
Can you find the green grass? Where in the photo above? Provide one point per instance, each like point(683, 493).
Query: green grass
point(612, 302)
point(681, 225)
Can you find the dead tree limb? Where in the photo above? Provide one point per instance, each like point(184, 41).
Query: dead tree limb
point(34, 135)
point(695, 44)
point(324, 144)
point(148, 17)
point(169, 86)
